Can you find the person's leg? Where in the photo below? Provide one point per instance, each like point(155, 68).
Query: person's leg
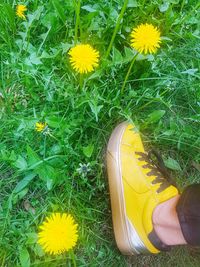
point(166, 223)
point(177, 220)
point(149, 215)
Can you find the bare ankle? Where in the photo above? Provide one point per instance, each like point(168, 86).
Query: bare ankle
point(166, 223)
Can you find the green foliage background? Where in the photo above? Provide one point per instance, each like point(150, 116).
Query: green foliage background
point(39, 172)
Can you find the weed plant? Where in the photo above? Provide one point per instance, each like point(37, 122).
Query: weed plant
point(62, 169)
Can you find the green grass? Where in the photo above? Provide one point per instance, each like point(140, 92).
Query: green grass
point(39, 172)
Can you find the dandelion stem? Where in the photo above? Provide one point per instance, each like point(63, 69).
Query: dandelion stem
point(52, 136)
point(73, 257)
point(116, 28)
point(77, 10)
point(81, 81)
point(128, 73)
point(45, 138)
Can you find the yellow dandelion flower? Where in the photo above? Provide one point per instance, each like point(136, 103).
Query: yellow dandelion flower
point(58, 233)
point(145, 38)
point(40, 126)
point(84, 58)
point(20, 11)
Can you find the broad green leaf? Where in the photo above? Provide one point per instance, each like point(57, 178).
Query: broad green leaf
point(31, 238)
point(88, 8)
point(117, 57)
point(55, 149)
point(166, 38)
point(59, 10)
point(113, 14)
point(24, 257)
point(47, 173)
point(190, 71)
point(32, 156)
point(129, 54)
point(34, 16)
point(24, 182)
point(172, 164)
point(54, 121)
point(155, 116)
point(141, 57)
point(132, 3)
point(168, 132)
point(34, 59)
point(20, 195)
point(50, 20)
point(95, 75)
point(88, 150)
point(50, 183)
point(20, 163)
point(95, 109)
point(38, 250)
point(65, 47)
point(13, 156)
point(164, 7)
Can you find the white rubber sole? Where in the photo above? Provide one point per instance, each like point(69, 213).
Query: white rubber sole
point(126, 236)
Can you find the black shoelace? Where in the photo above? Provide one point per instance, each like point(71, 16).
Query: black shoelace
point(157, 169)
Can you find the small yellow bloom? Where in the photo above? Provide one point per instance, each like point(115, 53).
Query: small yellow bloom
point(40, 126)
point(20, 11)
point(145, 38)
point(58, 233)
point(83, 58)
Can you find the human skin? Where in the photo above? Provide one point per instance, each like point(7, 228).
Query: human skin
point(166, 223)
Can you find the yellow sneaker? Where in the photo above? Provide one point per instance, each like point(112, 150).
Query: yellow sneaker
point(136, 188)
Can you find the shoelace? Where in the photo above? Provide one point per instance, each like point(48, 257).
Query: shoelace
point(157, 169)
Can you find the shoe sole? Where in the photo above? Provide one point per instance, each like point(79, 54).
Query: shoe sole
point(126, 236)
